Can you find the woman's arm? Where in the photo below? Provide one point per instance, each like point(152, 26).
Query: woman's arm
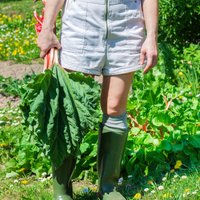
point(149, 48)
point(47, 38)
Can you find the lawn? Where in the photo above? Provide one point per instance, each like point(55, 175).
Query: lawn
point(18, 7)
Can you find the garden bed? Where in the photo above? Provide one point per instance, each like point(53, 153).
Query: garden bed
point(162, 158)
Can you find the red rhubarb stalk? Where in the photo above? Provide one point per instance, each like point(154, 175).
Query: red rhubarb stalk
point(49, 59)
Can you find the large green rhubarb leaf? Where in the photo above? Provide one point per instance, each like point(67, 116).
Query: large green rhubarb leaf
point(60, 107)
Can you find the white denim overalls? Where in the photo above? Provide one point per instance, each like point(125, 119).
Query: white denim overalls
point(102, 36)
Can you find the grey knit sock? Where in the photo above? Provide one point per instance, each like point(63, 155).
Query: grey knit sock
point(115, 121)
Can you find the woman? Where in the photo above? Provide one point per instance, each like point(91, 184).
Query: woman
point(103, 37)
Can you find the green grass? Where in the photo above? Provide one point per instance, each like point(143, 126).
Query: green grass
point(17, 30)
point(18, 7)
point(32, 188)
point(14, 189)
point(177, 186)
point(184, 184)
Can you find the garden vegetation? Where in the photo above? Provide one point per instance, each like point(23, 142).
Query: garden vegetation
point(162, 158)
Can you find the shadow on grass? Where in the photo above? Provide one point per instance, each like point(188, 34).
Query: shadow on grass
point(86, 196)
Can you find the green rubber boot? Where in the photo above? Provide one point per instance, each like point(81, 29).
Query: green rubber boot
point(111, 146)
point(62, 185)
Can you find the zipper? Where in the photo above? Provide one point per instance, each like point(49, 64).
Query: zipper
point(106, 19)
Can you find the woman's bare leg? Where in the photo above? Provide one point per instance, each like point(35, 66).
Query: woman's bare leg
point(114, 93)
point(113, 132)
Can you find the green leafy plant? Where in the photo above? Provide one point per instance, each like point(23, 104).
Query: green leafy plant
point(13, 87)
point(165, 127)
point(86, 165)
point(60, 108)
point(149, 157)
point(178, 22)
point(188, 72)
point(20, 153)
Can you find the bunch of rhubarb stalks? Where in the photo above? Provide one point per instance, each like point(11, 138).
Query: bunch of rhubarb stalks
point(52, 56)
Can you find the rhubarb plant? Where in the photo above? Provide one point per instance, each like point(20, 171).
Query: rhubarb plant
point(60, 108)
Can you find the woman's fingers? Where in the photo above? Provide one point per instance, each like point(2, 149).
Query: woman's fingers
point(142, 57)
point(46, 41)
point(149, 53)
point(44, 51)
point(151, 62)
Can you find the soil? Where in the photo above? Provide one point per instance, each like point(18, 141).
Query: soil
point(17, 71)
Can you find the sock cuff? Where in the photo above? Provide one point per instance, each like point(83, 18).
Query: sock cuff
point(115, 121)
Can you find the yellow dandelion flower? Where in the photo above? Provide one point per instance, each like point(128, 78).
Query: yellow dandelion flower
point(19, 17)
point(24, 182)
point(93, 188)
point(14, 53)
point(180, 97)
point(180, 73)
point(3, 145)
point(22, 52)
point(22, 170)
point(172, 171)
point(178, 164)
point(137, 196)
point(150, 182)
point(186, 190)
point(167, 195)
point(26, 42)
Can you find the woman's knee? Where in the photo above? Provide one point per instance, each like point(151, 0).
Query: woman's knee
point(114, 107)
point(114, 94)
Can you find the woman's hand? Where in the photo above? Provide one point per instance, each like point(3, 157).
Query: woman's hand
point(47, 40)
point(149, 51)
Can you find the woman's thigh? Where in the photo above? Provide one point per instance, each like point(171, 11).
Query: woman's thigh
point(114, 93)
